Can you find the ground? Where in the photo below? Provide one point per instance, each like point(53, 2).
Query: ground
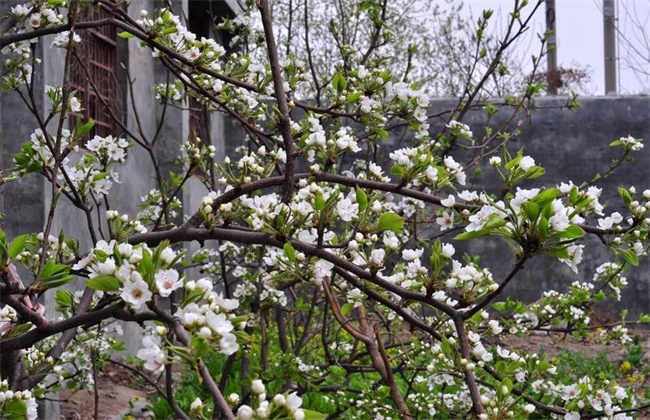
point(118, 386)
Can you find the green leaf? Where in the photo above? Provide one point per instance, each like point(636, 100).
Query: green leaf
point(84, 129)
point(314, 415)
point(200, 346)
point(445, 347)
point(532, 210)
point(542, 227)
point(380, 132)
point(147, 264)
point(125, 35)
point(4, 252)
point(572, 232)
point(383, 391)
point(16, 246)
point(391, 221)
point(499, 306)
point(353, 97)
point(543, 366)
point(546, 196)
point(625, 195)
point(630, 256)
point(319, 201)
point(573, 196)
point(100, 175)
point(362, 199)
point(339, 83)
point(473, 234)
point(397, 170)
point(561, 252)
point(347, 308)
point(504, 388)
point(535, 172)
point(63, 300)
point(118, 346)
point(494, 222)
point(57, 280)
point(14, 409)
point(514, 162)
point(105, 283)
point(289, 252)
point(52, 271)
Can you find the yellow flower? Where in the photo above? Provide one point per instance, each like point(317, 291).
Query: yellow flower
point(626, 366)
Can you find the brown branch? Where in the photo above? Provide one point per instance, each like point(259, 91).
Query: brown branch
point(84, 319)
point(39, 33)
point(284, 123)
point(465, 351)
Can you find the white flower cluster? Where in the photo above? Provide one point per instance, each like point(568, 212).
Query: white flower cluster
point(170, 31)
point(280, 406)
point(62, 40)
point(120, 260)
point(209, 315)
point(8, 317)
point(583, 395)
point(470, 279)
point(74, 369)
point(630, 142)
point(151, 207)
point(23, 397)
point(151, 351)
point(108, 149)
point(592, 194)
point(461, 130)
point(28, 17)
point(122, 224)
point(611, 274)
point(410, 101)
point(315, 142)
point(41, 149)
point(173, 92)
point(194, 151)
point(93, 173)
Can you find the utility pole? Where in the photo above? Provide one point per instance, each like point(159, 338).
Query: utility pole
point(609, 30)
point(552, 76)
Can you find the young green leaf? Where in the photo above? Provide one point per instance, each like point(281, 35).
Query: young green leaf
point(289, 252)
point(630, 256)
point(391, 221)
point(105, 283)
point(362, 199)
point(339, 83)
point(347, 308)
point(16, 246)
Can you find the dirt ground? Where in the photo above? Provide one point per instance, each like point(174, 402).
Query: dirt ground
point(116, 384)
point(118, 396)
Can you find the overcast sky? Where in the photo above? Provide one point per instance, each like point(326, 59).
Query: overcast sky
point(579, 29)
